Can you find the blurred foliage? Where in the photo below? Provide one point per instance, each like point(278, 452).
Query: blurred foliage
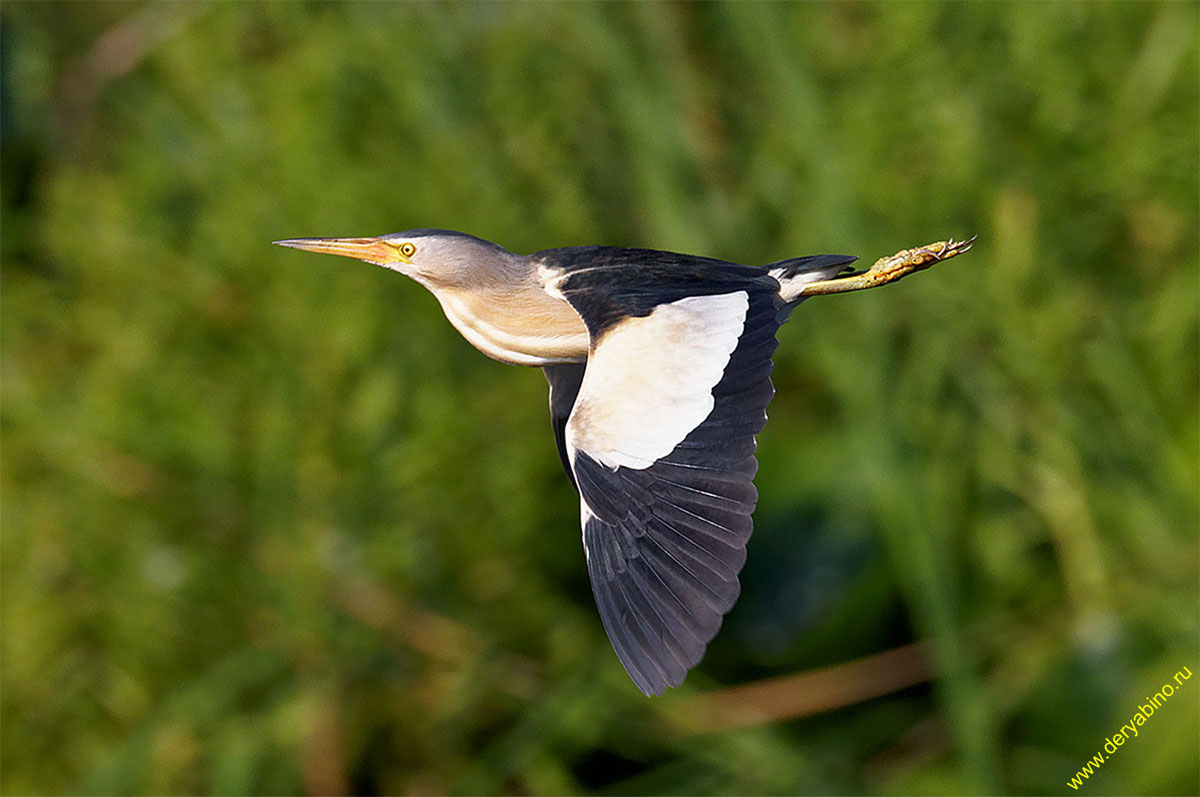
point(269, 525)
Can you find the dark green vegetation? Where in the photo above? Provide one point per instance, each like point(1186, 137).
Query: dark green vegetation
point(270, 525)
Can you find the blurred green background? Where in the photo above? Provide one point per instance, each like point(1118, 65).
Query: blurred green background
point(269, 525)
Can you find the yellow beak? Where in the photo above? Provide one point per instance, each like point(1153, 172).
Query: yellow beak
point(371, 250)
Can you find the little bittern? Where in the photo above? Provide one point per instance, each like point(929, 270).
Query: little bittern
point(659, 369)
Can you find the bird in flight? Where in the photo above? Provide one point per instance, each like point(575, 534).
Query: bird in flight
point(659, 369)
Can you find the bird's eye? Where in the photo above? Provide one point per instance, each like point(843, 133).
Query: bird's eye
point(408, 249)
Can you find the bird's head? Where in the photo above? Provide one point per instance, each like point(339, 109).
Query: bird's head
point(435, 258)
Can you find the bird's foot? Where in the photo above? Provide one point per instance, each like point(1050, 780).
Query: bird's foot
point(891, 268)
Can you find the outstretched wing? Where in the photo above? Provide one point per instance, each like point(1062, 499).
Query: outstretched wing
point(661, 442)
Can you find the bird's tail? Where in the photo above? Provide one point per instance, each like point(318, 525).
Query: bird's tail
point(793, 274)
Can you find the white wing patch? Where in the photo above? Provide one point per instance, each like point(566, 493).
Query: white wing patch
point(649, 380)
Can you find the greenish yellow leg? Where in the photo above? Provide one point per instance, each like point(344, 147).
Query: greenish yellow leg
point(890, 269)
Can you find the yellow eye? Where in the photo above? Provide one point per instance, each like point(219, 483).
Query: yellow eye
point(408, 249)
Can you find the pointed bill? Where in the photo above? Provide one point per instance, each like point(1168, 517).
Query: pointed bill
point(371, 250)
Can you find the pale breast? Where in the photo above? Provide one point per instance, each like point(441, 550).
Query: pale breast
point(526, 326)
